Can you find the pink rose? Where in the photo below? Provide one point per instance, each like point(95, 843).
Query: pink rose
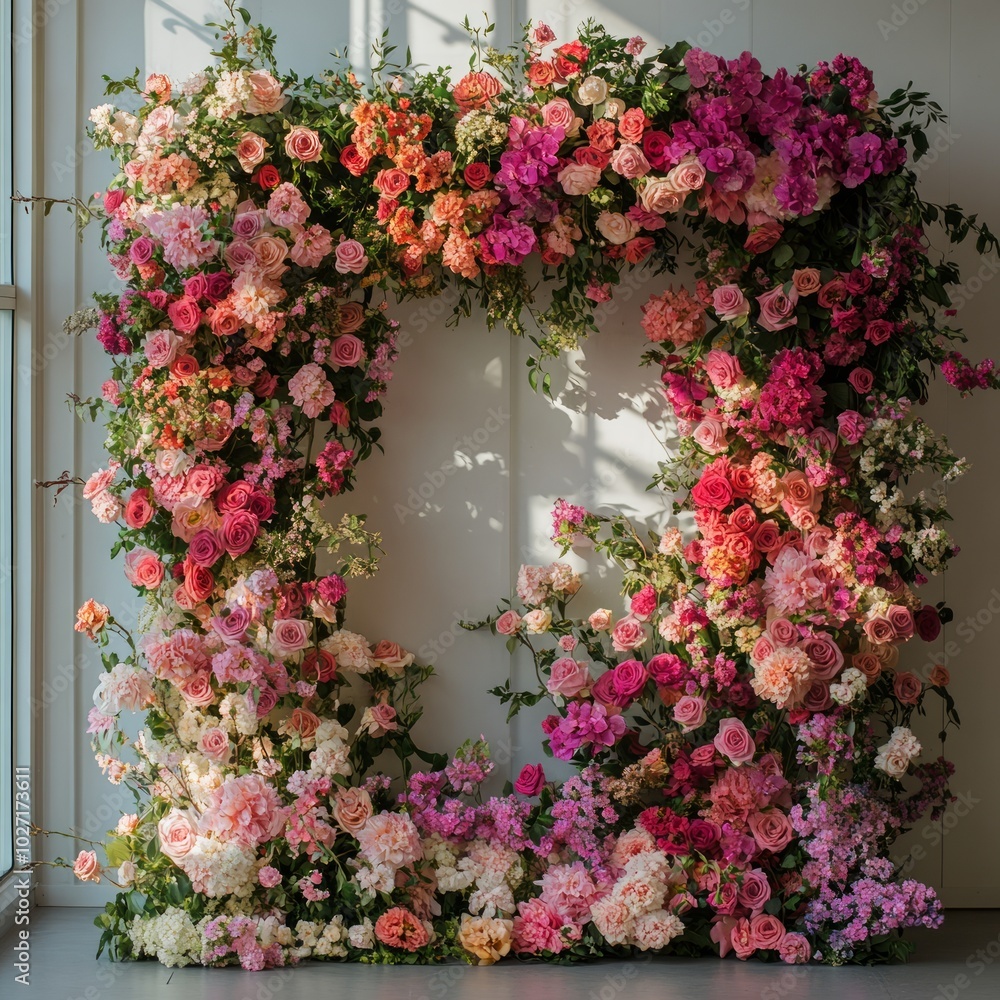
point(347, 351)
point(143, 568)
point(755, 890)
point(238, 531)
point(509, 623)
point(351, 257)
point(795, 949)
point(290, 635)
point(266, 95)
point(627, 634)
point(710, 436)
point(579, 178)
point(161, 347)
point(139, 510)
point(861, 381)
point(381, 719)
point(901, 620)
point(615, 227)
point(86, 867)
point(879, 630)
point(722, 367)
point(777, 308)
point(851, 426)
point(688, 175)
point(303, 144)
point(391, 182)
point(659, 196)
point(177, 835)
point(729, 303)
point(628, 680)
point(741, 939)
point(878, 331)
point(689, 712)
point(766, 932)
point(825, 655)
point(628, 161)
point(559, 113)
point(531, 780)
point(734, 741)
point(205, 549)
point(568, 677)
point(772, 830)
point(214, 743)
point(197, 690)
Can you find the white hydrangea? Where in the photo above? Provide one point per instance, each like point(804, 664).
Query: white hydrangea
point(220, 869)
point(331, 758)
point(171, 938)
point(237, 715)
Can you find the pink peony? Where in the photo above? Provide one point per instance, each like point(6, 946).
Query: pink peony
point(244, 810)
point(390, 839)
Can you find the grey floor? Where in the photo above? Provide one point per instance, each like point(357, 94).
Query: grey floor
point(959, 962)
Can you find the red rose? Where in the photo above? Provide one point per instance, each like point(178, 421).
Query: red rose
point(927, 620)
point(712, 490)
point(261, 505)
point(267, 177)
point(112, 199)
point(198, 580)
point(570, 58)
point(185, 314)
point(217, 286)
point(353, 160)
point(878, 331)
point(762, 238)
point(591, 156)
point(478, 175)
point(205, 548)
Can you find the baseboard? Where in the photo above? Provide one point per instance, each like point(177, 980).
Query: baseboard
point(970, 897)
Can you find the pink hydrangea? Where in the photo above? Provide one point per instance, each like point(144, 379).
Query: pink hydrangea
point(674, 317)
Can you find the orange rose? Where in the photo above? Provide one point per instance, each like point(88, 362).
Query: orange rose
point(91, 618)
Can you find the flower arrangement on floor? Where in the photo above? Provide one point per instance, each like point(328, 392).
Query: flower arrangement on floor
point(741, 731)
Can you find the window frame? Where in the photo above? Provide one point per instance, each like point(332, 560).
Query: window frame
point(20, 166)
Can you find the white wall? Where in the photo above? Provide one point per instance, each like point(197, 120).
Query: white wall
point(458, 553)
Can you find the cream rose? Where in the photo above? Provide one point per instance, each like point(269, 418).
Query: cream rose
point(177, 835)
point(615, 227)
point(659, 196)
point(592, 90)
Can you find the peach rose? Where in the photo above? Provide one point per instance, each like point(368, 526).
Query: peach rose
point(659, 196)
point(538, 621)
point(907, 687)
point(177, 835)
point(303, 144)
point(688, 175)
point(600, 620)
point(391, 657)
point(143, 568)
point(352, 808)
point(91, 618)
point(266, 95)
point(615, 227)
point(579, 178)
point(559, 113)
point(806, 280)
point(250, 150)
point(303, 722)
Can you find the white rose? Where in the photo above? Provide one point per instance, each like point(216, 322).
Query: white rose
point(593, 90)
point(615, 108)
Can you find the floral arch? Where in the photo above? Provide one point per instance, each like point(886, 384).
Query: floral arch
point(738, 724)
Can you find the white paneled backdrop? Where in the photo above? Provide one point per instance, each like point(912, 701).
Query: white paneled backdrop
point(460, 398)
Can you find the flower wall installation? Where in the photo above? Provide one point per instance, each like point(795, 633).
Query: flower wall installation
point(742, 731)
